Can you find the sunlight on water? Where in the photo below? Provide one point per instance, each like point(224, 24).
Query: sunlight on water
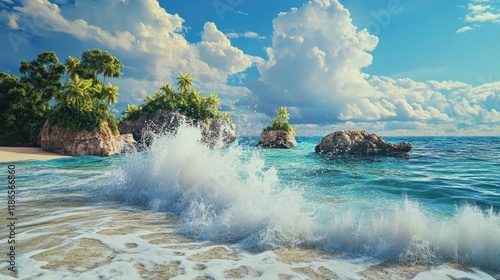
point(241, 196)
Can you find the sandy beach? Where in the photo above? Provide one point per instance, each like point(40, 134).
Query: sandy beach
point(79, 241)
point(8, 154)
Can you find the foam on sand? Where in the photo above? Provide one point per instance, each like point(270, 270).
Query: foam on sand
point(66, 240)
point(227, 196)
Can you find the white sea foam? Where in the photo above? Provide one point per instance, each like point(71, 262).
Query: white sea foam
point(228, 196)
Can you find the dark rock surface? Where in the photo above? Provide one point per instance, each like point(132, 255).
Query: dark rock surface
point(277, 139)
point(215, 132)
point(359, 142)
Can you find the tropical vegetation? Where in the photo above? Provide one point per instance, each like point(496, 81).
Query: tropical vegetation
point(281, 121)
point(24, 101)
point(187, 100)
point(82, 102)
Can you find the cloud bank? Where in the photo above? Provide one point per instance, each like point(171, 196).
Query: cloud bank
point(143, 35)
point(314, 67)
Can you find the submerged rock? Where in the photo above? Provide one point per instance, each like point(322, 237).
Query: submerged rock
point(359, 142)
point(215, 132)
point(277, 139)
point(100, 142)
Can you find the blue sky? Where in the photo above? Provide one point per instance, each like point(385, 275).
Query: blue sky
point(394, 67)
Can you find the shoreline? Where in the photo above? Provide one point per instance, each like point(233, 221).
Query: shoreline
point(81, 241)
point(12, 154)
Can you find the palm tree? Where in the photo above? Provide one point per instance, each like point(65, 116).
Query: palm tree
point(168, 91)
point(112, 69)
point(184, 82)
point(213, 102)
point(282, 114)
point(130, 109)
point(71, 64)
point(194, 96)
point(62, 100)
point(110, 94)
point(78, 93)
point(97, 90)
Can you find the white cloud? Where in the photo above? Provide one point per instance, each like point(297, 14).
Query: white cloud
point(314, 67)
point(464, 29)
point(314, 63)
point(248, 34)
point(145, 37)
point(481, 11)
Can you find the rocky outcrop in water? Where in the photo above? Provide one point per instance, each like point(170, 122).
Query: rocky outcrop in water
point(65, 141)
point(359, 142)
point(215, 132)
point(277, 139)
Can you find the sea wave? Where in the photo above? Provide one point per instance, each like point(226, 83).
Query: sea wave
point(232, 196)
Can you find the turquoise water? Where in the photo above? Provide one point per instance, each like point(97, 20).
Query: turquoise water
point(440, 172)
point(438, 204)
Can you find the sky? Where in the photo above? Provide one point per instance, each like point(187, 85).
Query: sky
point(392, 67)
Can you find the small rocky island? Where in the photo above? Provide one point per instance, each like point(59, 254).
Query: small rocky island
point(100, 142)
point(360, 143)
point(280, 134)
point(167, 110)
point(216, 132)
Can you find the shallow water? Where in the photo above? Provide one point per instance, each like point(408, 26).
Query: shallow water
point(438, 206)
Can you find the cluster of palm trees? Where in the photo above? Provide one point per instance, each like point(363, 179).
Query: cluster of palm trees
point(281, 121)
point(83, 94)
point(187, 100)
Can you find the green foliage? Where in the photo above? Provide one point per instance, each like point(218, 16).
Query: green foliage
point(23, 110)
point(95, 62)
point(282, 114)
point(83, 120)
point(281, 121)
point(188, 101)
point(71, 64)
point(44, 74)
point(24, 102)
point(83, 102)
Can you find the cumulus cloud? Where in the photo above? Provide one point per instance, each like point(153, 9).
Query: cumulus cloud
point(481, 11)
point(148, 39)
point(314, 63)
point(314, 67)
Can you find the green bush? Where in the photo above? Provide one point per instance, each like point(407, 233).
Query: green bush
point(188, 101)
point(281, 121)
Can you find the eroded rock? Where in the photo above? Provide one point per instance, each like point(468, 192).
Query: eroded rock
point(215, 132)
point(100, 142)
point(277, 139)
point(360, 142)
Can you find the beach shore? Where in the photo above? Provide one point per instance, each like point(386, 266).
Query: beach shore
point(8, 154)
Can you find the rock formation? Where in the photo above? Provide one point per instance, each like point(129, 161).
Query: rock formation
point(65, 141)
point(277, 139)
point(215, 132)
point(359, 142)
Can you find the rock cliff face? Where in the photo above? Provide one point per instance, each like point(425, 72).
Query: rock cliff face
point(359, 142)
point(277, 139)
point(215, 132)
point(65, 141)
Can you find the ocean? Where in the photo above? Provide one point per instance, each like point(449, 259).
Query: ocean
point(181, 210)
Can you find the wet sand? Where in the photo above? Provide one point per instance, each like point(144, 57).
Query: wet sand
point(101, 242)
point(13, 154)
